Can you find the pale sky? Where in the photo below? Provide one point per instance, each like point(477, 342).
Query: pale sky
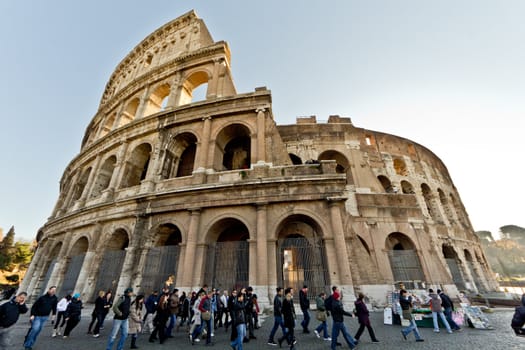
point(449, 75)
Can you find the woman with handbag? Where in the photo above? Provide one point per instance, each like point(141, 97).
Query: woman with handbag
point(135, 320)
point(321, 316)
point(363, 318)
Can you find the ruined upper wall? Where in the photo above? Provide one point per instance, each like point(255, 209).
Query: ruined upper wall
point(184, 34)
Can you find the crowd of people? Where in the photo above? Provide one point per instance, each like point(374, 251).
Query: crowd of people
point(202, 312)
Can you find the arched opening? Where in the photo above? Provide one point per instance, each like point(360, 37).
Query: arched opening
point(108, 125)
point(476, 279)
point(227, 263)
point(163, 259)
point(445, 204)
point(407, 187)
point(81, 185)
point(104, 176)
point(233, 148)
point(429, 202)
point(189, 91)
point(301, 255)
point(400, 167)
point(74, 265)
point(363, 265)
point(385, 182)
point(296, 160)
point(179, 157)
point(453, 262)
point(156, 99)
point(404, 261)
point(342, 167)
point(129, 112)
point(137, 166)
point(112, 261)
point(50, 263)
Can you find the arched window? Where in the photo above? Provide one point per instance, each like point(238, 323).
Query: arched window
point(407, 187)
point(179, 159)
point(189, 87)
point(343, 165)
point(385, 182)
point(81, 185)
point(156, 99)
point(400, 167)
point(104, 176)
point(234, 144)
point(129, 112)
point(137, 166)
point(296, 160)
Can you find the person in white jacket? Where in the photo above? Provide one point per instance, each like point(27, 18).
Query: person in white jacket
point(61, 309)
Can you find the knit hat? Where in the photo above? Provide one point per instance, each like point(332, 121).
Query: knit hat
point(128, 290)
point(76, 295)
point(336, 295)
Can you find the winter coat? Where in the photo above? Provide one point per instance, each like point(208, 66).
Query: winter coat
point(45, 305)
point(406, 306)
point(518, 320)
point(135, 319)
point(288, 313)
point(304, 303)
point(74, 309)
point(446, 301)
point(9, 313)
point(277, 305)
point(436, 302)
point(362, 312)
point(338, 311)
point(122, 307)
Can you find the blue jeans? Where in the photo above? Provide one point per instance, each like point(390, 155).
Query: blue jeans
point(443, 319)
point(322, 327)
point(277, 321)
point(121, 325)
point(241, 333)
point(36, 327)
point(306, 319)
point(448, 316)
point(340, 326)
point(412, 328)
point(173, 320)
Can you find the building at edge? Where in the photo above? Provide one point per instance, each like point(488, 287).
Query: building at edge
point(166, 189)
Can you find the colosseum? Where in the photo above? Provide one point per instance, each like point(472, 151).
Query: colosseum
point(170, 189)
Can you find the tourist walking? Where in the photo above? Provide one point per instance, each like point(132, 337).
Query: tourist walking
point(288, 313)
point(72, 314)
point(102, 306)
point(363, 317)
point(338, 314)
point(9, 314)
point(61, 309)
point(135, 320)
point(277, 316)
point(405, 300)
point(151, 307)
point(518, 319)
point(223, 309)
point(437, 310)
point(121, 308)
point(321, 317)
point(304, 303)
point(184, 310)
point(206, 316)
point(161, 317)
point(40, 311)
point(448, 308)
point(173, 304)
point(238, 316)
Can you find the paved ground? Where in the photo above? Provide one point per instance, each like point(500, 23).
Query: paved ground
point(501, 337)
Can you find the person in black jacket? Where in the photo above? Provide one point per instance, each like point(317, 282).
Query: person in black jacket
point(121, 308)
point(40, 311)
point(338, 322)
point(518, 320)
point(304, 303)
point(288, 313)
point(405, 300)
point(277, 316)
point(72, 314)
point(238, 317)
point(448, 307)
point(9, 313)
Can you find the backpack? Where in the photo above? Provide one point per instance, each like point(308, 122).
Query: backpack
point(328, 303)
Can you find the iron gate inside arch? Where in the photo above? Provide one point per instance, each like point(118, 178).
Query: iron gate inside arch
point(109, 272)
point(406, 268)
point(160, 268)
point(70, 278)
point(302, 261)
point(227, 265)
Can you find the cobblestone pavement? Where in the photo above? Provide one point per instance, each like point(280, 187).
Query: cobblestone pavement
point(501, 337)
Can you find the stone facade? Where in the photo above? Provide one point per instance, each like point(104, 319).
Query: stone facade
point(170, 190)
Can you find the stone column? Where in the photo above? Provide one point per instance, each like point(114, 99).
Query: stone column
point(35, 269)
point(272, 265)
point(205, 144)
point(261, 150)
point(128, 268)
point(198, 271)
point(142, 254)
point(70, 191)
point(84, 274)
point(262, 252)
point(191, 245)
point(175, 89)
point(120, 111)
point(91, 180)
point(340, 248)
point(142, 105)
point(252, 264)
point(116, 177)
point(148, 184)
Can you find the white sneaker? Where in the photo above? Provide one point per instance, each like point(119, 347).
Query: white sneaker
point(327, 339)
point(54, 333)
point(196, 340)
point(317, 334)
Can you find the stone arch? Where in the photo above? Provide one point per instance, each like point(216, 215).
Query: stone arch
point(430, 202)
point(296, 160)
point(454, 265)
point(49, 265)
point(162, 260)
point(75, 259)
point(81, 184)
point(404, 261)
point(192, 81)
point(386, 184)
point(156, 100)
point(476, 280)
point(112, 262)
point(301, 254)
point(179, 158)
point(130, 112)
point(137, 166)
point(227, 259)
point(407, 187)
point(400, 167)
point(233, 148)
point(105, 173)
point(445, 204)
point(108, 125)
point(343, 165)
point(362, 263)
